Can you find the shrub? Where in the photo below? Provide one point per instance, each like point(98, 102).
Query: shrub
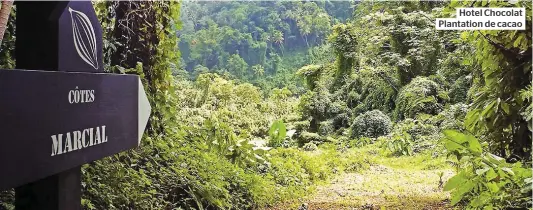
point(453, 116)
point(458, 91)
point(288, 143)
point(399, 144)
point(7, 199)
point(177, 177)
point(371, 124)
point(310, 147)
point(307, 137)
point(311, 73)
point(416, 129)
point(315, 105)
point(325, 128)
point(343, 139)
point(361, 142)
point(484, 180)
point(421, 95)
point(337, 107)
point(411, 136)
point(300, 125)
point(341, 120)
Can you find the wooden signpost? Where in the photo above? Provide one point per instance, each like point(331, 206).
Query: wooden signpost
point(59, 110)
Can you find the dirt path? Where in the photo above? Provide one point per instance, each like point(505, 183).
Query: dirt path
point(380, 187)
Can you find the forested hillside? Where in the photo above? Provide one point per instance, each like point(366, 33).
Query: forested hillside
point(262, 43)
point(315, 105)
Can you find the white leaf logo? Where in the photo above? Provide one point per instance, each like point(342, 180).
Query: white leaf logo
point(84, 37)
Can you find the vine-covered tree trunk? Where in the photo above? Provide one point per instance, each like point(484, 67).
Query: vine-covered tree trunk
point(137, 29)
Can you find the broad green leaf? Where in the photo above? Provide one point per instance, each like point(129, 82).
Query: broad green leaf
point(273, 128)
point(473, 144)
point(505, 107)
point(456, 198)
point(480, 200)
point(465, 187)
point(455, 136)
point(491, 174)
point(282, 130)
point(508, 170)
point(461, 190)
point(452, 146)
point(489, 108)
point(481, 171)
point(517, 41)
point(489, 207)
point(476, 202)
point(455, 181)
point(278, 130)
point(471, 119)
point(502, 173)
point(464, 35)
point(495, 159)
point(493, 187)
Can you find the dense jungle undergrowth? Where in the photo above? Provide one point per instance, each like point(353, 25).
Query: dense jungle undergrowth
point(315, 105)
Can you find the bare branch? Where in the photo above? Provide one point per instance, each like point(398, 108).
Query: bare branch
point(4, 16)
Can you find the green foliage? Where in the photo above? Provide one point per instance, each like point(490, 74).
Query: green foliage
point(361, 142)
point(144, 178)
point(241, 106)
point(367, 91)
point(416, 129)
point(7, 199)
point(344, 40)
point(314, 105)
point(270, 35)
point(504, 61)
point(311, 73)
point(456, 68)
point(527, 96)
point(186, 180)
point(221, 138)
point(237, 66)
point(420, 96)
point(410, 136)
point(294, 167)
point(301, 125)
point(307, 137)
point(400, 143)
point(206, 142)
point(277, 133)
point(452, 117)
point(486, 181)
point(410, 42)
point(459, 89)
point(321, 54)
point(310, 146)
point(383, 49)
point(325, 128)
point(371, 124)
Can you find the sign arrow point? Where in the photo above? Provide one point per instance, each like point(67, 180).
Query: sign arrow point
point(144, 110)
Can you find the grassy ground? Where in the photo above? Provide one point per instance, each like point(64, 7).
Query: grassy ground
point(406, 182)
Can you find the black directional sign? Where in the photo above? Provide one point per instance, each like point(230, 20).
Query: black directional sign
point(66, 114)
point(53, 121)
